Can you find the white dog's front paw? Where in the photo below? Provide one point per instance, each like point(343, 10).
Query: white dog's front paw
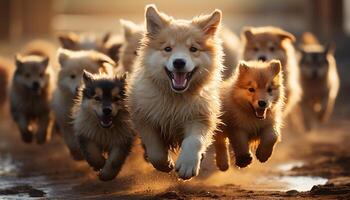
point(187, 165)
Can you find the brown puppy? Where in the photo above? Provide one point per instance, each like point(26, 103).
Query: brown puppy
point(30, 97)
point(173, 93)
point(319, 80)
point(267, 43)
point(102, 123)
point(252, 104)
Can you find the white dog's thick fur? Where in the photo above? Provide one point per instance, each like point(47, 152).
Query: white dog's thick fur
point(177, 107)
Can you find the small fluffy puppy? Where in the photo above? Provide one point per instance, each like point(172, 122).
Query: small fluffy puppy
point(173, 93)
point(73, 63)
point(107, 44)
point(132, 37)
point(30, 97)
point(102, 123)
point(267, 43)
point(232, 49)
point(252, 103)
point(319, 80)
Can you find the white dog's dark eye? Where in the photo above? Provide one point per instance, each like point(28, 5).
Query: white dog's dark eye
point(251, 89)
point(269, 89)
point(193, 49)
point(97, 98)
point(72, 76)
point(168, 49)
point(135, 53)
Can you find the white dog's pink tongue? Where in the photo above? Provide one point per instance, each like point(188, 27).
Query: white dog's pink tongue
point(179, 80)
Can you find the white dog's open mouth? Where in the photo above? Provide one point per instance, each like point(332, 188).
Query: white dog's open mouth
point(260, 113)
point(106, 121)
point(180, 80)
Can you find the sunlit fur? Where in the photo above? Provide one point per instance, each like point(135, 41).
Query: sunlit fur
point(132, 37)
point(106, 44)
point(98, 92)
point(165, 118)
point(30, 97)
point(69, 79)
point(231, 46)
point(275, 43)
point(239, 104)
point(319, 80)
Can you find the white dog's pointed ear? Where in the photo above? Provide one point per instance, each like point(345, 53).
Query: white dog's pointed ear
point(209, 23)
point(68, 40)
point(18, 60)
point(247, 33)
point(275, 66)
point(129, 28)
point(87, 77)
point(155, 21)
point(63, 56)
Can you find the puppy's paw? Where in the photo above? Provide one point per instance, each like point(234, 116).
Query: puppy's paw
point(243, 160)
point(163, 166)
point(107, 175)
point(263, 154)
point(187, 165)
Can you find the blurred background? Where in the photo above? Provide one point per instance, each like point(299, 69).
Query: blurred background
point(323, 155)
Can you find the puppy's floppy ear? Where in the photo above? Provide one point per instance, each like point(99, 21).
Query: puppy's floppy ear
point(63, 56)
point(247, 33)
point(242, 67)
point(286, 35)
point(68, 40)
point(18, 60)
point(155, 21)
point(128, 28)
point(209, 23)
point(275, 66)
point(329, 48)
point(87, 77)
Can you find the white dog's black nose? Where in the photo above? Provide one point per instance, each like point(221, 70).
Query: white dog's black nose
point(179, 63)
point(262, 104)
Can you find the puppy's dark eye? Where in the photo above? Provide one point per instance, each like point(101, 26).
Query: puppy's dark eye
point(251, 89)
point(193, 49)
point(167, 49)
point(135, 53)
point(269, 89)
point(272, 48)
point(97, 98)
point(27, 75)
point(72, 76)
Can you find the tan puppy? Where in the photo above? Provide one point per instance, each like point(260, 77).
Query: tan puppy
point(132, 37)
point(102, 123)
point(319, 80)
point(252, 111)
point(173, 95)
point(30, 97)
point(73, 63)
point(267, 43)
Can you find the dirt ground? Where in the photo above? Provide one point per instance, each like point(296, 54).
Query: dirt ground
point(312, 165)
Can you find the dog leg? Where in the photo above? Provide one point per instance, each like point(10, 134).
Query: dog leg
point(115, 162)
point(268, 139)
point(240, 144)
point(156, 152)
point(92, 153)
point(327, 106)
point(71, 142)
point(222, 153)
point(43, 128)
point(23, 124)
point(192, 150)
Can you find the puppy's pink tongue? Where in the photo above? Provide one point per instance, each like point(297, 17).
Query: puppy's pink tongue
point(179, 80)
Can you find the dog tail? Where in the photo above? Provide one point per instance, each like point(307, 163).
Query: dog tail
point(309, 39)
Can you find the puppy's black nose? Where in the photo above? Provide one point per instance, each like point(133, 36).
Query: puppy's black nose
point(262, 104)
point(262, 58)
point(179, 63)
point(107, 110)
point(35, 86)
